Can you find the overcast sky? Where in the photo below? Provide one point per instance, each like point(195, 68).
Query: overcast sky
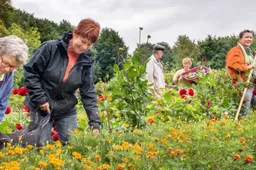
point(164, 20)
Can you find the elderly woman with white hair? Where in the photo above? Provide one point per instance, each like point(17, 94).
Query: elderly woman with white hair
point(13, 53)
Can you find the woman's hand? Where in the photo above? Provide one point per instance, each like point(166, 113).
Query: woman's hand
point(95, 132)
point(45, 107)
point(252, 66)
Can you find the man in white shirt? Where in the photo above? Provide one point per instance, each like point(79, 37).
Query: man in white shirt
point(154, 70)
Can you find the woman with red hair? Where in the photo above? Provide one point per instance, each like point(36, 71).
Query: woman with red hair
point(56, 70)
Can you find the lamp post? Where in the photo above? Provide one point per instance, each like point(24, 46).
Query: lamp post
point(148, 37)
point(141, 28)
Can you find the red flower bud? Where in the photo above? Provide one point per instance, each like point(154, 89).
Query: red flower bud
point(208, 103)
point(203, 59)
point(55, 136)
point(191, 92)
point(101, 98)
point(19, 126)
point(8, 110)
point(254, 92)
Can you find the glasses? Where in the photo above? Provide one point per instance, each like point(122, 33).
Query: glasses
point(7, 65)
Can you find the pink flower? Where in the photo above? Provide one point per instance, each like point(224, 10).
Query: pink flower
point(19, 126)
point(8, 110)
point(191, 92)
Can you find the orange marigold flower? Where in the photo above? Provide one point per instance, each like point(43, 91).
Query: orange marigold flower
point(178, 151)
point(173, 153)
point(76, 155)
point(242, 140)
point(249, 159)
point(236, 156)
point(169, 148)
point(120, 166)
point(151, 120)
point(98, 158)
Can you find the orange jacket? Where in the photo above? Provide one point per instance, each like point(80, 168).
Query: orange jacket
point(235, 63)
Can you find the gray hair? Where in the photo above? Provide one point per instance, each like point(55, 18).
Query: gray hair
point(14, 47)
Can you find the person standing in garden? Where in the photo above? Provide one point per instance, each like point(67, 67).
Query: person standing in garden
point(187, 63)
point(154, 70)
point(56, 70)
point(13, 54)
point(239, 62)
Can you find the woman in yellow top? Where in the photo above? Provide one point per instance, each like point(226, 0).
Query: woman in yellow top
point(177, 79)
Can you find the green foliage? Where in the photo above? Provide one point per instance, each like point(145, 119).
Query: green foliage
point(184, 47)
point(31, 36)
point(110, 49)
point(130, 91)
point(144, 51)
point(216, 48)
point(215, 88)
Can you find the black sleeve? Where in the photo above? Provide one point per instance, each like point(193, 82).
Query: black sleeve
point(89, 99)
point(33, 71)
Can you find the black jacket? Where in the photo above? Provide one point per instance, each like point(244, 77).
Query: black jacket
point(44, 74)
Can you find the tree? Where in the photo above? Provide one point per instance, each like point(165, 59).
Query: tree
point(144, 51)
point(65, 26)
point(110, 50)
point(184, 47)
point(6, 12)
point(216, 48)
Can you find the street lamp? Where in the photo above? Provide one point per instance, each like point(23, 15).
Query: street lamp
point(148, 37)
point(141, 28)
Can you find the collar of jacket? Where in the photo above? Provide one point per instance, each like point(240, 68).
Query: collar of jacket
point(84, 58)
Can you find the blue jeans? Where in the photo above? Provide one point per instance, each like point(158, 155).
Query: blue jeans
point(63, 126)
point(249, 100)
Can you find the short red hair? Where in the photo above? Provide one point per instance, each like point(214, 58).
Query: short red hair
point(88, 28)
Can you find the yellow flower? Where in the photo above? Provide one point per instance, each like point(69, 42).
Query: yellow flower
point(137, 149)
point(76, 155)
point(30, 146)
point(109, 140)
point(117, 147)
point(126, 125)
point(50, 147)
point(43, 164)
point(10, 152)
point(1, 154)
point(70, 147)
point(57, 162)
point(105, 166)
point(125, 160)
point(41, 151)
point(126, 146)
